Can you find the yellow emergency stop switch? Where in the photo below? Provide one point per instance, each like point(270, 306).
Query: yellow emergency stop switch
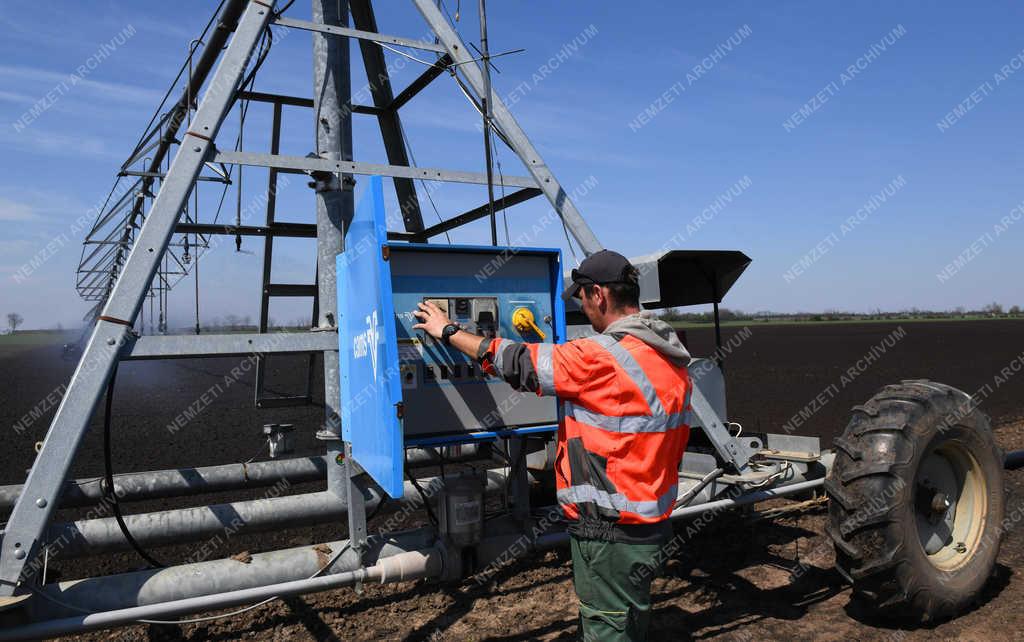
point(522, 320)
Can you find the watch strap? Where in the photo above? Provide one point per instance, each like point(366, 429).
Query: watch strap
point(448, 331)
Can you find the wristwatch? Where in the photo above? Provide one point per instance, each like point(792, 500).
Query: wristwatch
point(449, 330)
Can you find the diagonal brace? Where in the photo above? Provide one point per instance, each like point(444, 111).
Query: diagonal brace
point(22, 536)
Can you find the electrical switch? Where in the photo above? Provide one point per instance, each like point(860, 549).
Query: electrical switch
point(522, 320)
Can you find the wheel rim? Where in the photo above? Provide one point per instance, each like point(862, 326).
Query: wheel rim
point(951, 502)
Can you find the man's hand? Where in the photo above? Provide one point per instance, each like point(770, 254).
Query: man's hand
point(432, 319)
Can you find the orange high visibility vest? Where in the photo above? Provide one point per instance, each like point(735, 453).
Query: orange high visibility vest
point(622, 424)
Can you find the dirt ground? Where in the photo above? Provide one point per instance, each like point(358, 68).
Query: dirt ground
point(737, 579)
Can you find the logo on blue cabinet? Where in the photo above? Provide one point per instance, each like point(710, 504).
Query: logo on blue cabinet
point(366, 342)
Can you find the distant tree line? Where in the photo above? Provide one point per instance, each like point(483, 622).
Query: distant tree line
point(992, 310)
point(236, 323)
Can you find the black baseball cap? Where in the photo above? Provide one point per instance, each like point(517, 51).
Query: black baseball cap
point(601, 268)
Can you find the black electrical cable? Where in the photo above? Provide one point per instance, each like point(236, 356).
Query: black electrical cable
point(426, 501)
point(108, 464)
point(277, 14)
point(376, 509)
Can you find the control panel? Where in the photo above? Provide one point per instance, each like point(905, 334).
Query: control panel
point(399, 386)
point(443, 390)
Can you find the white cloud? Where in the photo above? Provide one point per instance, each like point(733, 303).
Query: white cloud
point(35, 140)
point(13, 97)
point(46, 79)
point(13, 211)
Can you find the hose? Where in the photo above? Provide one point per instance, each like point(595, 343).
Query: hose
point(109, 477)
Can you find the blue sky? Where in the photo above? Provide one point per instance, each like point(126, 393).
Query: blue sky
point(660, 112)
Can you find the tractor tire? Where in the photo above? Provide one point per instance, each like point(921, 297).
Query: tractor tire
point(916, 501)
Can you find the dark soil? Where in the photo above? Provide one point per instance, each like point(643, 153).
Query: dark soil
point(735, 580)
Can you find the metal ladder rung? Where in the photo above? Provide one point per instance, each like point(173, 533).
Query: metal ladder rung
point(290, 289)
point(284, 402)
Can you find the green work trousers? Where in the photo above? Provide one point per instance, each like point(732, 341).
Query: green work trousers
point(613, 584)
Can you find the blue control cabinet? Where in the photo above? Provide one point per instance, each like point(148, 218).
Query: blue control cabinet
point(401, 387)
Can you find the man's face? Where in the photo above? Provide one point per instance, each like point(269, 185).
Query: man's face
point(590, 303)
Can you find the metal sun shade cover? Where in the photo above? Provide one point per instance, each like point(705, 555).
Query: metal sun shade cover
point(680, 277)
point(371, 391)
point(688, 277)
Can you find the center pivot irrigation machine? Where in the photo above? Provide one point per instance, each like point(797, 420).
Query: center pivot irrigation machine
point(915, 482)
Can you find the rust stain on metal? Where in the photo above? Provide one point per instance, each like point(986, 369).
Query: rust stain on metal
point(244, 557)
point(323, 555)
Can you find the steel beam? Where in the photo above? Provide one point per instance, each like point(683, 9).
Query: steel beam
point(284, 230)
point(507, 124)
point(390, 124)
point(477, 213)
point(421, 82)
point(211, 179)
point(21, 539)
point(335, 205)
point(307, 164)
point(291, 290)
point(295, 101)
point(176, 346)
point(359, 34)
point(279, 99)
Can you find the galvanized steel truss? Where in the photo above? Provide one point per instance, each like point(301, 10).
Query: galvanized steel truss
point(128, 254)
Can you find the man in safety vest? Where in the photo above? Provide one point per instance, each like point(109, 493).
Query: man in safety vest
point(624, 395)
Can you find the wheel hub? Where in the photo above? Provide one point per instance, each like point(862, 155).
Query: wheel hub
point(949, 505)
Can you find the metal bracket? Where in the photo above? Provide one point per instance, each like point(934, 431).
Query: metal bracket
point(735, 452)
point(356, 505)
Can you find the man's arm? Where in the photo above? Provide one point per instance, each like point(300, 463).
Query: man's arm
point(526, 367)
point(433, 321)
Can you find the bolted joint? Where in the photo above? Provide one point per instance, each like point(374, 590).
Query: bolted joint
point(325, 182)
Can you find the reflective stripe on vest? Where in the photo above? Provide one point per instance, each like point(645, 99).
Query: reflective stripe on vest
point(545, 368)
point(584, 493)
point(657, 421)
point(498, 358)
point(633, 369)
point(627, 423)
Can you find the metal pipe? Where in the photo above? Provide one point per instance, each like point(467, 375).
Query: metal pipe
point(183, 482)
point(180, 482)
point(399, 568)
point(210, 585)
point(208, 577)
point(749, 498)
point(103, 535)
point(332, 124)
point(688, 496)
point(430, 456)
